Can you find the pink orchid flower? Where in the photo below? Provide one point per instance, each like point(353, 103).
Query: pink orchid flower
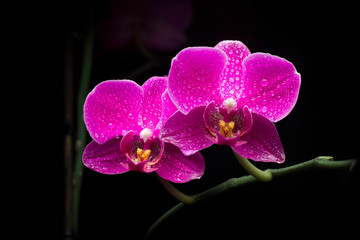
point(226, 95)
point(124, 121)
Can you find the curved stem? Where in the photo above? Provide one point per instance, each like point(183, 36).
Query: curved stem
point(319, 163)
point(186, 199)
point(264, 176)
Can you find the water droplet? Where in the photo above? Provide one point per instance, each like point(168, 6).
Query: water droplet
point(111, 125)
point(264, 82)
point(264, 109)
point(130, 116)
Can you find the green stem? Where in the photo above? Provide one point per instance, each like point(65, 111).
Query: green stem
point(81, 130)
point(319, 163)
point(186, 199)
point(264, 176)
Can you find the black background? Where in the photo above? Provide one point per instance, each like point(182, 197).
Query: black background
point(321, 40)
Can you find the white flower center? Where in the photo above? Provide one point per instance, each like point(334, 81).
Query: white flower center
point(230, 104)
point(145, 134)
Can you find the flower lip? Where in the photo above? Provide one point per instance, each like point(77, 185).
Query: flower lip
point(227, 128)
point(144, 156)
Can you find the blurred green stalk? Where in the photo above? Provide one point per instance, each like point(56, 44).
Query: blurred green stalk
point(81, 130)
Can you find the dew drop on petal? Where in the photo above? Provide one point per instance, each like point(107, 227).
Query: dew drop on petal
point(264, 82)
point(111, 125)
point(130, 116)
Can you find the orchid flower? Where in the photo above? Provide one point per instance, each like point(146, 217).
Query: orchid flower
point(228, 96)
point(124, 121)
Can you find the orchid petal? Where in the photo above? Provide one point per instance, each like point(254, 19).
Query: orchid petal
point(262, 143)
point(194, 77)
point(168, 109)
point(112, 109)
point(188, 132)
point(231, 77)
point(105, 158)
point(152, 103)
point(179, 168)
point(271, 85)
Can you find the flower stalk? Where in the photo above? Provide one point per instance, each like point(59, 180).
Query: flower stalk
point(186, 199)
point(264, 176)
point(81, 130)
point(319, 163)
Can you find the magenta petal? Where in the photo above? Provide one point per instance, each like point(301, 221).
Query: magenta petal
point(262, 143)
point(188, 132)
point(112, 109)
point(105, 158)
point(231, 77)
point(168, 109)
point(178, 168)
point(152, 103)
point(271, 85)
point(194, 77)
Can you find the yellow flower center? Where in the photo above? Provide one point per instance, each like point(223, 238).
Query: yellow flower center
point(143, 155)
point(226, 128)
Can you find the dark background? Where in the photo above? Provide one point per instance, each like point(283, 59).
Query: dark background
point(321, 40)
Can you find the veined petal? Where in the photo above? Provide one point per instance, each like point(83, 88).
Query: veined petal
point(262, 143)
point(178, 168)
point(105, 158)
point(194, 77)
point(188, 132)
point(112, 109)
point(152, 103)
point(271, 85)
point(231, 77)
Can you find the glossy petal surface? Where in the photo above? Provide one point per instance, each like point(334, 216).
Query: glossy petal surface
point(152, 102)
point(179, 168)
point(271, 85)
point(188, 132)
point(262, 142)
point(231, 77)
point(112, 109)
point(105, 158)
point(168, 109)
point(194, 77)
